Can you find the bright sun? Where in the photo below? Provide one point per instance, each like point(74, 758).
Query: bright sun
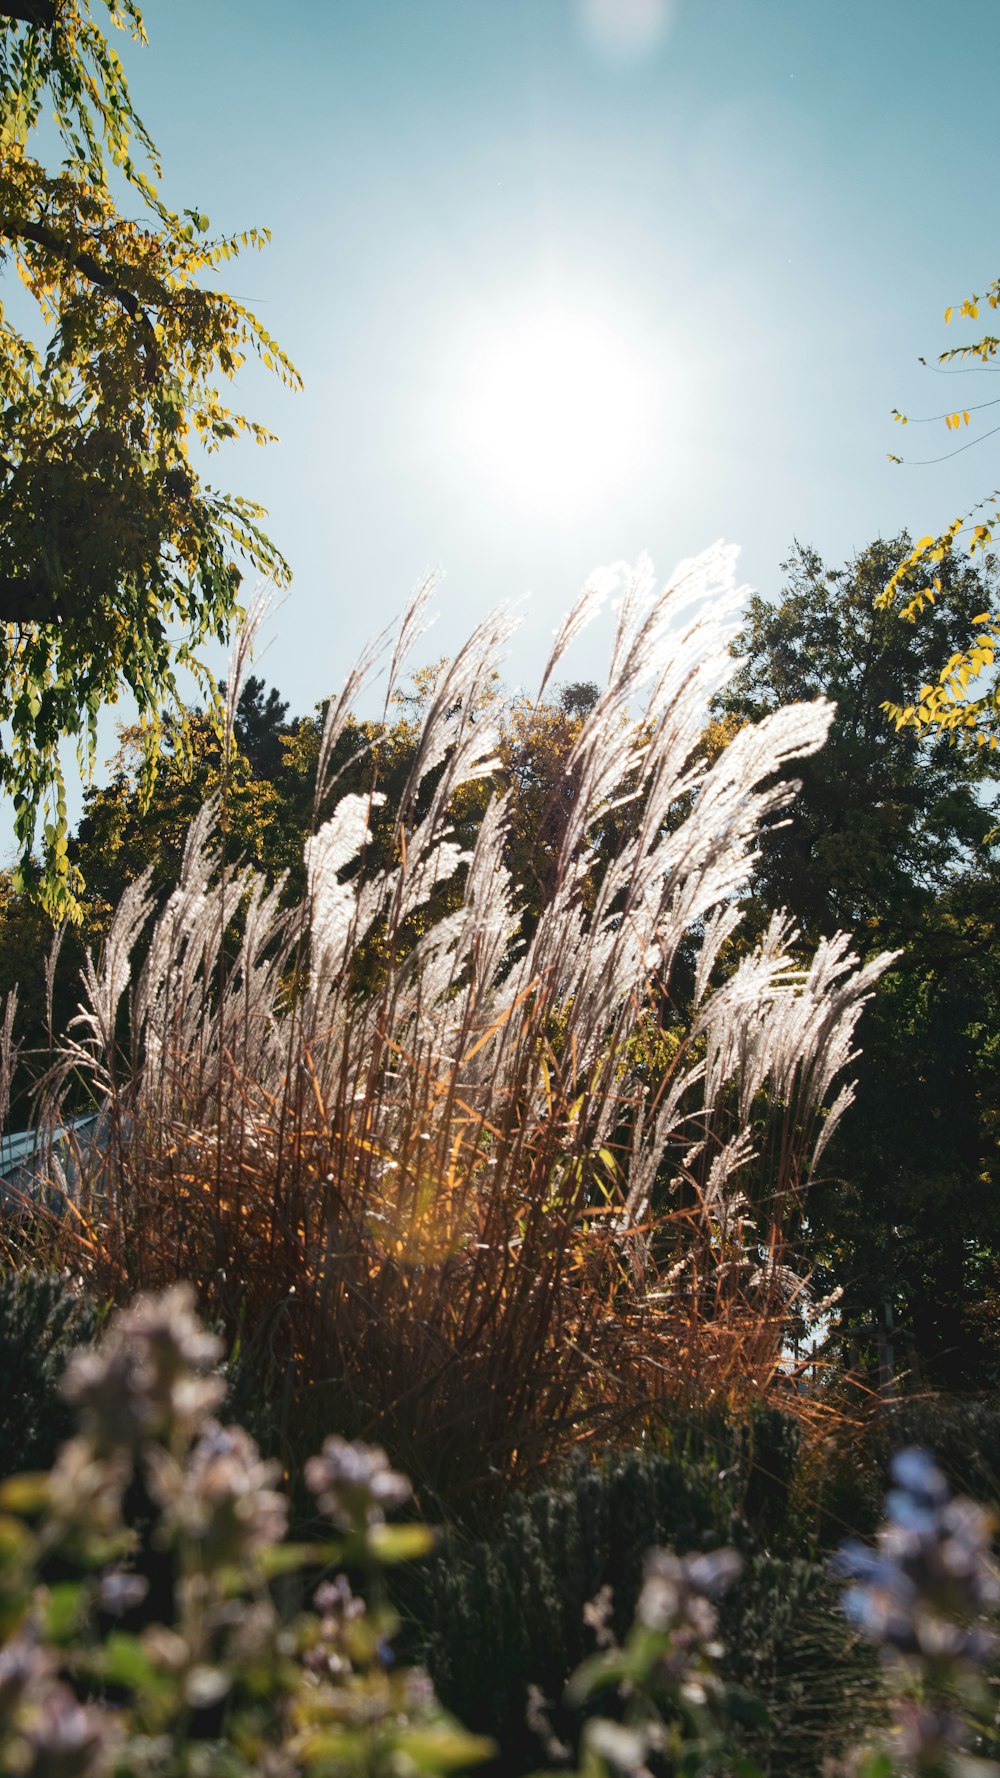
point(556, 411)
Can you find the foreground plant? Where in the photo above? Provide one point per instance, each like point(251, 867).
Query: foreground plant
point(926, 1595)
point(217, 1680)
point(501, 1194)
point(673, 1710)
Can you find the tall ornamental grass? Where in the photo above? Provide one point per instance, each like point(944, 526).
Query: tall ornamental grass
point(485, 1197)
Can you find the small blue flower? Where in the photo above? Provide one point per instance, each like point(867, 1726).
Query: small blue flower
point(915, 1471)
point(912, 1512)
point(931, 1573)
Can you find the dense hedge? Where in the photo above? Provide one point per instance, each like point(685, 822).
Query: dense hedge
point(42, 1317)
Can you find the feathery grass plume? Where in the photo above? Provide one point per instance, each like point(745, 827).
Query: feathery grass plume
point(492, 1201)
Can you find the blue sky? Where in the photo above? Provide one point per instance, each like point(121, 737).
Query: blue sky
point(763, 213)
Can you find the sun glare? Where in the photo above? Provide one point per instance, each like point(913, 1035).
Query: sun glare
point(556, 407)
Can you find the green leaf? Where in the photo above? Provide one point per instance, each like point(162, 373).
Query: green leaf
point(877, 1765)
point(124, 1661)
point(65, 1608)
point(14, 1539)
point(444, 1749)
point(743, 1767)
point(288, 1558)
point(399, 1543)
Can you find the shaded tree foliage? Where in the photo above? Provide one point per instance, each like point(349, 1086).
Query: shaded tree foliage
point(908, 1212)
point(259, 727)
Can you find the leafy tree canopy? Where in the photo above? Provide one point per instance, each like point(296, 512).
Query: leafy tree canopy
point(884, 816)
point(118, 559)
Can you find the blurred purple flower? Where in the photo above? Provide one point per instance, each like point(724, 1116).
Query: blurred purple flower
point(354, 1485)
point(120, 1591)
point(66, 1739)
point(224, 1495)
point(153, 1373)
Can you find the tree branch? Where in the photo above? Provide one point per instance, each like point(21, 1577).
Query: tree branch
point(29, 599)
point(19, 228)
point(30, 12)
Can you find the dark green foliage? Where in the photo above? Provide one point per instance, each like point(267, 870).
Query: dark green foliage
point(42, 1317)
point(499, 1612)
point(884, 817)
point(840, 1485)
point(762, 1460)
point(893, 838)
point(494, 1613)
point(260, 724)
point(964, 1437)
point(908, 1210)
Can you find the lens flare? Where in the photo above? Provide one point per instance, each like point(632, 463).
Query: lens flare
point(626, 29)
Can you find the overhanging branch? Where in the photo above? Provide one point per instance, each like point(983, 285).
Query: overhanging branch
point(29, 12)
point(29, 599)
point(19, 228)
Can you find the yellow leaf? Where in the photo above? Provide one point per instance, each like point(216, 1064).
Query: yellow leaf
point(948, 315)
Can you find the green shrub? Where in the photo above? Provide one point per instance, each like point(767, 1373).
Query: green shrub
point(964, 1435)
point(496, 1613)
point(788, 1645)
point(839, 1488)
